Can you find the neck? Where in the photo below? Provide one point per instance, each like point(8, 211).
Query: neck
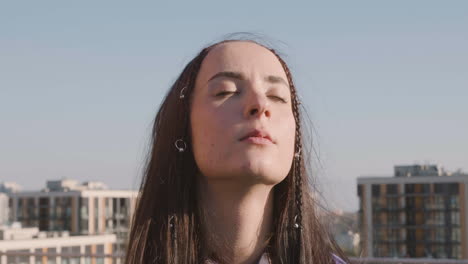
point(237, 220)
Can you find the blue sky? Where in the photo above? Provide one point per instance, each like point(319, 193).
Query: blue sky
point(384, 83)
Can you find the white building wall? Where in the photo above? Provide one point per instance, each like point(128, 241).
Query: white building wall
point(26, 244)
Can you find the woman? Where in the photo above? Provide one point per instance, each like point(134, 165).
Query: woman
point(225, 181)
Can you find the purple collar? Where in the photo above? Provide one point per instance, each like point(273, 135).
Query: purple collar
point(266, 260)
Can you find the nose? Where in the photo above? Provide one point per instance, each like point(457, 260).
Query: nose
point(257, 105)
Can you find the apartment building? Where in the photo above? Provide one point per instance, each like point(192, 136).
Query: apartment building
point(81, 209)
point(19, 245)
point(419, 212)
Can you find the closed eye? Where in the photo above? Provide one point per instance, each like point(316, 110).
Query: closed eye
point(224, 93)
point(278, 98)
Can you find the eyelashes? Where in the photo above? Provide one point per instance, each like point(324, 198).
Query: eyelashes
point(223, 94)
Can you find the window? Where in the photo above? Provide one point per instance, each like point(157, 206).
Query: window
point(410, 218)
point(51, 260)
point(409, 202)
point(456, 252)
point(375, 190)
point(439, 234)
point(453, 200)
point(38, 259)
point(455, 234)
point(392, 203)
point(403, 234)
point(359, 190)
point(124, 206)
point(88, 250)
point(392, 250)
point(439, 218)
point(17, 259)
point(455, 218)
point(100, 250)
point(409, 188)
point(403, 250)
point(449, 188)
point(84, 215)
point(392, 189)
point(108, 207)
point(439, 251)
point(393, 218)
point(96, 215)
point(439, 202)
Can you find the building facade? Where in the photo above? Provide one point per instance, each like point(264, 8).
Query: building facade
point(420, 212)
point(20, 245)
point(87, 209)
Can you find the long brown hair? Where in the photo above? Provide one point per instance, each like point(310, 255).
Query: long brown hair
point(166, 227)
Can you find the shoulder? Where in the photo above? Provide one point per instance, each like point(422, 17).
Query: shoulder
point(338, 260)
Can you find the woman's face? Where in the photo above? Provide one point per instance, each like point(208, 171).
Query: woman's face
point(241, 117)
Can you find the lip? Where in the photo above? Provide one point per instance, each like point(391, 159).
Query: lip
point(257, 136)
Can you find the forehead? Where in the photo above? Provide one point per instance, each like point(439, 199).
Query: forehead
point(240, 56)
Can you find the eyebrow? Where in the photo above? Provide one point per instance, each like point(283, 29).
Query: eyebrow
point(228, 74)
point(276, 79)
point(240, 76)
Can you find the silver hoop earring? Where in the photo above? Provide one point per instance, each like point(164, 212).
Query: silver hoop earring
point(171, 222)
point(180, 145)
point(296, 225)
point(182, 91)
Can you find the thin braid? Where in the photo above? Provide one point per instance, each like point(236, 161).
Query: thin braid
point(297, 175)
point(297, 168)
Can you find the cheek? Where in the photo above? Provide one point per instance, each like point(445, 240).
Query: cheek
point(285, 124)
point(202, 132)
point(209, 132)
point(288, 134)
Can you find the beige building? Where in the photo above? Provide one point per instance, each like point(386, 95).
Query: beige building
point(30, 246)
point(420, 212)
point(81, 209)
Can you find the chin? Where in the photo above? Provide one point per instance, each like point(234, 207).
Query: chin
point(247, 169)
point(263, 172)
